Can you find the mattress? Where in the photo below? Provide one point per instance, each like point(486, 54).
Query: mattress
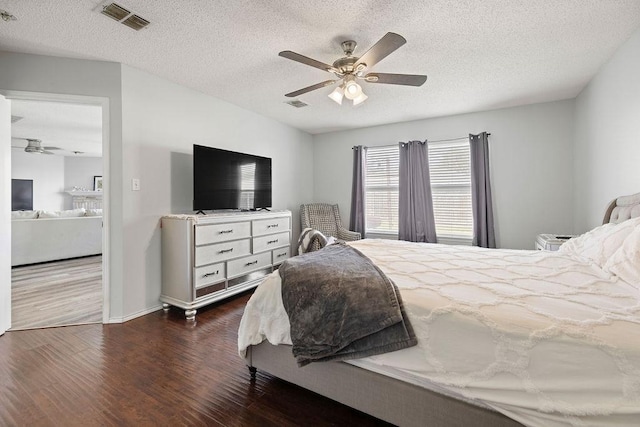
point(546, 338)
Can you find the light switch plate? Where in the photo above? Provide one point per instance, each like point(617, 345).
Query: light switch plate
point(135, 184)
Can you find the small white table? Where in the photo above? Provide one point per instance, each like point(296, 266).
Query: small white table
point(551, 242)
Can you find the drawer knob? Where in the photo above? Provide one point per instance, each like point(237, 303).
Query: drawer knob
point(251, 263)
point(224, 251)
point(212, 273)
point(272, 226)
point(226, 231)
point(280, 255)
point(272, 241)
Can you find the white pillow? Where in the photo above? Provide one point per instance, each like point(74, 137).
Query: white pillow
point(93, 212)
point(599, 244)
point(24, 214)
point(72, 213)
point(625, 262)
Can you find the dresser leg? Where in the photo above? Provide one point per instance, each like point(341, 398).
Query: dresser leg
point(190, 314)
point(252, 372)
point(165, 306)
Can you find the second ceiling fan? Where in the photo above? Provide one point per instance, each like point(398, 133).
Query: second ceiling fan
point(349, 69)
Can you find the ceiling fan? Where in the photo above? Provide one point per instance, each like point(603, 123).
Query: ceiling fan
point(350, 68)
point(34, 146)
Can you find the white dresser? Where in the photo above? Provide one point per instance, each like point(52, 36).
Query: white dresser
point(206, 258)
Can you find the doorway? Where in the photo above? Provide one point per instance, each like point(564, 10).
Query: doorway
point(59, 265)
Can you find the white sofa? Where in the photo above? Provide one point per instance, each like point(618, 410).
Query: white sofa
point(42, 239)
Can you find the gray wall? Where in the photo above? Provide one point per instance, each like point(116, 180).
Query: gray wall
point(607, 145)
point(161, 122)
point(47, 173)
point(531, 164)
point(153, 124)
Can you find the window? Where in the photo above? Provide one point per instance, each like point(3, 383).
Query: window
point(450, 172)
point(381, 189)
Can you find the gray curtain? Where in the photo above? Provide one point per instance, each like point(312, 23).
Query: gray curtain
point(357, 217)
point(415, 213)
point(482, 204)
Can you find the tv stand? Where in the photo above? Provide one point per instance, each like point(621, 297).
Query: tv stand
point(200, 212)
point(212, 257)
point(262, 209)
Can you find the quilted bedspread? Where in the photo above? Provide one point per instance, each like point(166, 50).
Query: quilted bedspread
point(546, 338)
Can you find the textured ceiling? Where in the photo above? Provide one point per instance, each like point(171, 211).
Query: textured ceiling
point(478, 54)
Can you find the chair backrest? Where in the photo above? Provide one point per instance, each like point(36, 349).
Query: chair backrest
point(323, 217)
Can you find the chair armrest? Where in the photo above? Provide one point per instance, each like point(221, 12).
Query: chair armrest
point(347, 235)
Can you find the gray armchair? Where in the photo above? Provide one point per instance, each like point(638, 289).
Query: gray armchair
point(326, 219)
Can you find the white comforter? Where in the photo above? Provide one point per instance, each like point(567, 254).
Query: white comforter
point(545, 338)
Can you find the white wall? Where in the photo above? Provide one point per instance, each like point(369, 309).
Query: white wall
point(531, 164)
point(79, 172)
point(161, 122)
point(5, 217)
point(47, 173)
point(607, 145)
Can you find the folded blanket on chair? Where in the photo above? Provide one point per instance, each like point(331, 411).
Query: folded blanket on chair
point(312, 240)
point(341, 306)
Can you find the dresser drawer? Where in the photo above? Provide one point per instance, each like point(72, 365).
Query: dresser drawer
point(215, 233)
point(244, 265)
point(266, 226)
point(280, 255)
point(218, 252)
point(209, 274)
point(271, 241)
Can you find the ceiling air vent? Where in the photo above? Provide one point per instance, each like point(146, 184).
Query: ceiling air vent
point(16, 119)
point(136, 22)
point(115, 11)
point(296, 103)
point(124, 16)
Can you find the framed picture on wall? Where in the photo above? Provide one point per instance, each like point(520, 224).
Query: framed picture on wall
point(97, 183)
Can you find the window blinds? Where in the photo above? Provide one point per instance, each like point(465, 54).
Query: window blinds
point(450, 173)
point(381, 189)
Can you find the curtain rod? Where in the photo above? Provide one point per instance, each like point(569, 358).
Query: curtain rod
point(437, 140)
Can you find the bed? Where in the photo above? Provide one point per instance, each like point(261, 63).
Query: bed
point(505, 337)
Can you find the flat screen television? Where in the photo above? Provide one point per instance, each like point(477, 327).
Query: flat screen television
point(21, 194)
point(229, 180)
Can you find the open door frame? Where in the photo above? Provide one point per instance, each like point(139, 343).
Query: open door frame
point(5, 195)
point(5, 214)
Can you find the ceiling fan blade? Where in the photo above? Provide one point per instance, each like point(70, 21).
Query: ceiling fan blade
point(396, 79)
point(305, 60)
point(51, 148)
point(47, 152)
point(385, 46)
point(310, 88)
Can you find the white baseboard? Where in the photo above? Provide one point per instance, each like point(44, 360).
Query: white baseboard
point(134, 315)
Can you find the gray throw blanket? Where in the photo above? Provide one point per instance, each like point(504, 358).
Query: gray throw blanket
point(341, 306)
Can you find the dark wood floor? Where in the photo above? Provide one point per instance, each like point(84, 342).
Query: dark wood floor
point(155, 370)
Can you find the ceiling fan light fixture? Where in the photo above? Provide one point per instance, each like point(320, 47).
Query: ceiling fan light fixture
point(352, 90)
point(360, 99)
point(337, 94)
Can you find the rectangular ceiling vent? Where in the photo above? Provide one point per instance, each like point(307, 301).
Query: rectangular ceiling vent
point(115, 11)
point(124, 16)
point(296, 103)
point(136, 22)
point(16, 119)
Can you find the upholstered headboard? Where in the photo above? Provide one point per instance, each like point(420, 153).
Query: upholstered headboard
point(623, 208)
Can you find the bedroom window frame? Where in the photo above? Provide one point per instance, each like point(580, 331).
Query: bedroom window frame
point(445, 159)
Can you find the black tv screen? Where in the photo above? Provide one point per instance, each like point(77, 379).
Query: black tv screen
point(229, 180)
point(21, 194)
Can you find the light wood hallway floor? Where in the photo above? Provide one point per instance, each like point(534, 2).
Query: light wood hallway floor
point(58, 293)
